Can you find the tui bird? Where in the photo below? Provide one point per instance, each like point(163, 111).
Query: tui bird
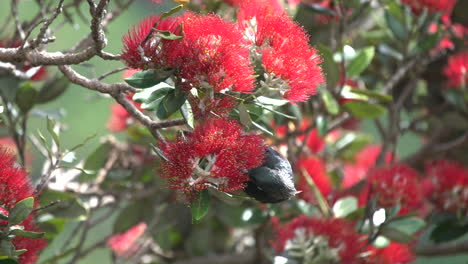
point(273, 181)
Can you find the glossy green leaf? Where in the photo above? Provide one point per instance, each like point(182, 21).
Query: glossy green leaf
point(345, 206)
point(244, 116)
point(200, 205)
point(95, 162)
point(9, 261)
point(360, 62)
point(6, 248)
point(166, 34)
point(50, 129)
point(378, 96)
point(322, 125)
point(21, 211)
point(146, 79)
point(408, 225)
point(396, 26)
point(271, 101)
point(395, 235)
point(187, 114)
point(171, 103)
point(364, 110)
point(329, 66)
point(52, 89)
point(3, 216)
point(28, 234)
point(26, 97)
point(330, 103)
point(67, 205)
point(448, 230)
point(172, 11)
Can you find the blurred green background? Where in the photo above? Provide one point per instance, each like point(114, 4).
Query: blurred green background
point(86, 112)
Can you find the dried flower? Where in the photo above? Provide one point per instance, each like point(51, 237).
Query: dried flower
point(126, 244)
point(217, 153)
point(456, 70)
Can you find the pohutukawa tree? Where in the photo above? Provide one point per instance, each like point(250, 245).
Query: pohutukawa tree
point(253, 131)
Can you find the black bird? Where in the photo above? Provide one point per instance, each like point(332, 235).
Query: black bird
point(272, 182)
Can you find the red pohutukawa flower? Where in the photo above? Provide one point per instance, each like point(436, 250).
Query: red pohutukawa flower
point(141, 51)
point(125, 244)
point(281, 46)
point(447, 186)
point(217, 153)
point(330, 240)
point(315, 169)
point(394, 253)
point(396, 184)
point(418, 6)
point(456, 70)
point(212, 54)
point(14, 187)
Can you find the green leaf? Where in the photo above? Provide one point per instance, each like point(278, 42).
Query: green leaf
point(381, 242)
point(364, 110)
point(3, 216)
point(28, 234)
point(395, 235)
point(329, 66)
point(95, 162)
point(396, 26)
point(170, 103)
point(154, 100)
point(322, 125)
point(200, 205)
point(147, 78)
point(428, 42)
point(407, 225)
point(26, 97)
point(21, 210)
point(244, 116)
point(50, 128)
point(187, 114)
point(6, 248)
point(262, 128)
point(448, 230)
point(271, 101)
point(318, 9)
point(172, 11)
point(321, 201)
point(383, 98)
point(166, 34)
point(69, 206)
point(9, 261)
point(360, 62)
point(330, 103)
point(345, 206)
point(52, 89)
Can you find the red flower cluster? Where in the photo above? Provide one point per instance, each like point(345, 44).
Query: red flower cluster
point(291, 66)
point(364, 160)
point(126, 244)
point(316, 170)
point(211, 54)
point(141, 51)
point(396, 184)
point(418, 6)
point(456, 70)
point(392, 254)
point(14, 187)
point(217, 153)
point(447, 186)
point(339, 235)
